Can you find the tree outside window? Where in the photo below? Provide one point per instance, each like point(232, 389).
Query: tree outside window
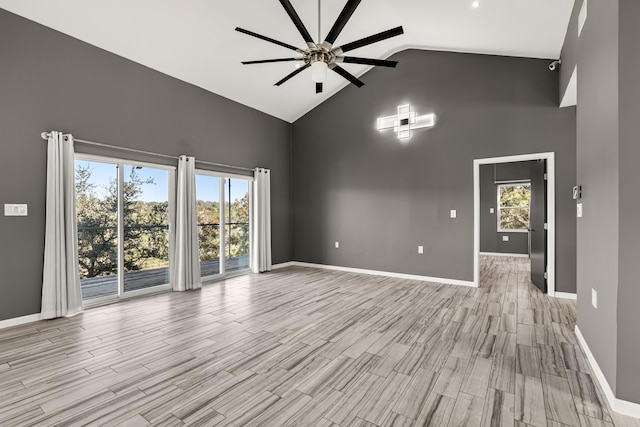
point(513, 207)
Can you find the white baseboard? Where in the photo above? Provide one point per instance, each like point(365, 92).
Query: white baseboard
point(17, 321)
point(565, 295)
point(380, 273)
point(282, 265)
point(622, 406)
point(504, 254)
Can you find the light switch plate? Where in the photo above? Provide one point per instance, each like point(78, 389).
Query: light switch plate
point(15, 210)
point(420, 249)
point(579, 210)
point(505, 238)
point(491, 210)
point(337, 245)
point(454, 213)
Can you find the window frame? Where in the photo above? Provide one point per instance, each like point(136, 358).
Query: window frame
point(223, 273)
point(120, 162)
point(499, 208)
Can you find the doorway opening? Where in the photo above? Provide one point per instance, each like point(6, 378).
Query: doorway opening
point(544, 231)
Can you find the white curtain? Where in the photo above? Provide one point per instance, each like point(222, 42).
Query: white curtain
point(261, 235)
point(61, 294)
point(186, 262)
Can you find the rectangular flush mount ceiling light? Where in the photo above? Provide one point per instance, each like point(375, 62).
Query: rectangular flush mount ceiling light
point(405, 121)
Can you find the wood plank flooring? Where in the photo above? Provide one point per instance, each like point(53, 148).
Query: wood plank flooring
point(307, 347)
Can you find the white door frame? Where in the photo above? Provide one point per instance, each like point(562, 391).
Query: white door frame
point(223, 274)
point(551, 212)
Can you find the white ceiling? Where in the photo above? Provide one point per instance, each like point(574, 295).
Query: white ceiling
point(195, 41)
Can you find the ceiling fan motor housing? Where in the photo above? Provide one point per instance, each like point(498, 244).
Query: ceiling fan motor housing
point(319, 54)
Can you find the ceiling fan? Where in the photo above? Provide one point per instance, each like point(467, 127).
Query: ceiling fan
point(322, 56)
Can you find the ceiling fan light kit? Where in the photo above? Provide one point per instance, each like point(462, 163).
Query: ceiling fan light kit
point(322, 56)
point(319, 71)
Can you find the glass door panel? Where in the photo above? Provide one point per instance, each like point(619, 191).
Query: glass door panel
point(208, 220)
point(97, 223)
point(145, 228)
point(237, 224)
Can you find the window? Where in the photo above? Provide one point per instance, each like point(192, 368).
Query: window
point(123, 215)
point(513, 207)
point(222, 206)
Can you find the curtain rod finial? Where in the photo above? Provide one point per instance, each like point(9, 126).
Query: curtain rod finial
point(45, 135)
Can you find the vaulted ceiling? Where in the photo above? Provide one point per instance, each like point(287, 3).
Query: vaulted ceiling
point(195, 41)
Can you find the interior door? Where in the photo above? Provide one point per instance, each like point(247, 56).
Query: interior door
point(537, 221)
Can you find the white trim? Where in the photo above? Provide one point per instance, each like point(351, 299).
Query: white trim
point(504, 254)
point(283, 265)
point(551, 212)
point(381, 273)
point(566, 295)
point(17, 321)
point(621, 406)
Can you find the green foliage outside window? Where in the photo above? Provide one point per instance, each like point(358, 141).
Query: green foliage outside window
point(145, 226)
point(237, 228)
point(513, 206)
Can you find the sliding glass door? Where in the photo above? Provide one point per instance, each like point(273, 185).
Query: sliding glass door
point(97, 216)
point(123, 212)
point(223, 223)
point(208, 220)
point(145, 215)
point(237, 224)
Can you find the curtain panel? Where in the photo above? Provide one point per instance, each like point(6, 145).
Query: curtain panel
point(261, 235)
point(186, 263)
point(61, 293)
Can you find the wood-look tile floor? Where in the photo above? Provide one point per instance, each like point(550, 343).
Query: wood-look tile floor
point(307, 347)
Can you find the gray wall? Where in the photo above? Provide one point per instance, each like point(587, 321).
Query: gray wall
point(381, 198)
point(608, 236)
point(628, 375)
point(490, 239)
point(597, 172)
point(49, 81)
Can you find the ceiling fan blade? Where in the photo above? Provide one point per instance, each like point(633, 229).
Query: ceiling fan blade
point(342, 20)
point(366, 61)
point(297, 22)
point(265, 61)
point(318, 87)
point(347, 75)
point(368, 40)
point(295, 73)
point(268, 39)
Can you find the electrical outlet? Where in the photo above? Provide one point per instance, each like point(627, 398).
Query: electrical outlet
point(491, 210)
point(454, 213)
point(579, 210)
point(594, 298)
point(505, 238)
point(420, 249)
point(337, 245)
